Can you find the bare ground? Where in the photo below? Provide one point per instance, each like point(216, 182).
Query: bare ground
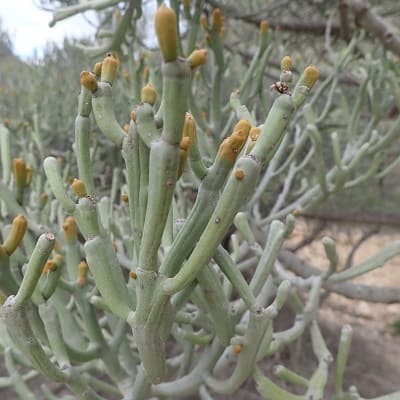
point(373, 365)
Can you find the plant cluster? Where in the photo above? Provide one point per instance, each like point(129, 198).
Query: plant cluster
point(177, 274)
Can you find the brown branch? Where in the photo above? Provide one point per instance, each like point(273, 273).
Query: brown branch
point(309, 27)
point(373, 23)
point(360, 241)
point(354, 218)
point(372, 294)
point(310, 237)
point(345, 30)
point(314, 28)
point(364, 17)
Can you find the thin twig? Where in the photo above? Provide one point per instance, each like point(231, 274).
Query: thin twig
point(310, 27)
point(373, 23)
point(363, 238)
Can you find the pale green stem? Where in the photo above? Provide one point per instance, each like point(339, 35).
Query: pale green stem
point(218, 305)
point(376, 261)
point(40, 254)
point(82, 137)
point(5, 155)
point(289, 376)
point(17, 381)
point(342, 357)
point(56, 183)
point(103, 110)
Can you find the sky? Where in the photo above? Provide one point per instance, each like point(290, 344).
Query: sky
point(29, 28)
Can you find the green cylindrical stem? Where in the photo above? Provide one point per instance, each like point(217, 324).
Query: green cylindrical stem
point(216, 102)
point(82, 137)
point(49, 281)
point(8, 197)
point(82, 150)
point(376, 261)
point(5, 155)
point(163, 173)
point(95, 334)
point(188, 384)
point(130, 153)
point(144, 161)
point(342, 357)
point(175, 94)
point(270, 390)
point(72, 258)
point(283, 373)
point(110, 283)
point(53, 330)
point(195, 159)
point(234, 195)
point(247, 357)
point(194, 26)
point(153, 320)
point(89, 317)
point(14, 315)
point(69, 326)
point(275, 238)
point(54, 177)
point(40, 254)
point(146, 125)
point(273, 129)
point(217, 302)
point(87, 217)
point(17, 380)
point(8, 285)
point(142, 386)
point(319, 378)
point(226, 264)
point(164, 158)
point(198, 218)
point(103, 110)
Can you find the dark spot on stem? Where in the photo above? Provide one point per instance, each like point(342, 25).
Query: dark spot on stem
point(388, 36)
